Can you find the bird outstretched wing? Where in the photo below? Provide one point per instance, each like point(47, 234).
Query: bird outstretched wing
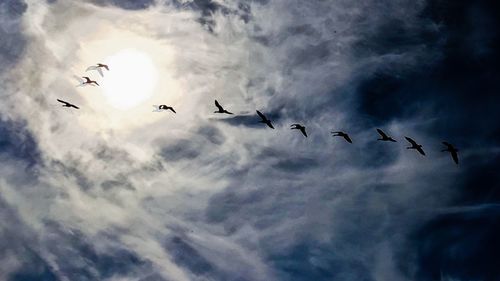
point(218, 106)
point(419, 149)
point(303, 130)
point(448, 144)
point(261, 115)
point(61, 101)
point(410, 140)
point(382, 134)
point(80, 80)
point(454, 155)
point(347, 138)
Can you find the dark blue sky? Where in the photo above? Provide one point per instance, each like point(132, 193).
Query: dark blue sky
point(237, 207)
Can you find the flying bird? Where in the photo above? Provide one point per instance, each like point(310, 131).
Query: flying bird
point(451, 149)
point(342, 134)
point(67, 104)
point(221, 109)
point(415, 145)
point(299, 127)
point(163, 107)
point(86, 81)
point(99, 68)
point(384, 136)
point(265, 120)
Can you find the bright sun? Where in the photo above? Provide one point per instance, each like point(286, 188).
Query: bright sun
point(131, 79)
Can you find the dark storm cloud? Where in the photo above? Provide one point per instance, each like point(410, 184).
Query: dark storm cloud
point(13, 42)
point(460, 91)
point(186, 255)
point(17, 143)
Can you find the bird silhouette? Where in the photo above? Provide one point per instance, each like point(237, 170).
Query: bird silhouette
point(342, 134)
point(163, 107)
point(265, 120)
point(86, 81)
point(384, 136)
point(67, 104)
point(415, 145)
point(451, 149)
point(99, 68)
point(299, 127)
point(221, 109)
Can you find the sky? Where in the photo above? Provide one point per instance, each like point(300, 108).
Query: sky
point(116, 191)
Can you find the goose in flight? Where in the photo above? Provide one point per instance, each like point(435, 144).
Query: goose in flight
point(67, 104)
point(86, 81)
point(163, 107)
point(265, 120)
point(342, 134)
point(220, 108)
point(299, 127)
point(384, 136)
point(451, 149)
point(99, 68)
point(415, 145)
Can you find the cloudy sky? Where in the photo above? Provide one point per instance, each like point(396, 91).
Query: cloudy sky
point(115, 191)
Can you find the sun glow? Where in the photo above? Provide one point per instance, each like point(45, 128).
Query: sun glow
point(142, 73)
point(131, 80)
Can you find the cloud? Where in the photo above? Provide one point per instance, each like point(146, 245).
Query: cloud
point(101, 194)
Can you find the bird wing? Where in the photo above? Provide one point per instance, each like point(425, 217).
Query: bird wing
point(61, 101)
point(105, 66)
point(100, 71)
point(347, 138)
point(410, 140)
point(79, 79)
point(218, 106)
point(74, 106)
point(171, 108)
point(454, 155)
point(270, 125)
point(382, 134)
point(93, 67)
point(448, 145)
point(261, 115)
point(419, 149)
point(303, 130)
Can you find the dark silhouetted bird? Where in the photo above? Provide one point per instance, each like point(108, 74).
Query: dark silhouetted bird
point(342, 134)
point(451, 149)
point(99, 68)
point(221, 109)
point(299, 127)
point(384, 136)
point(162, 107)
point(67, 104)
point(415, 145)
point(265, 120)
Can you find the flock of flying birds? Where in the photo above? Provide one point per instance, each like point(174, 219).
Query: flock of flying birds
point(84, 81)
